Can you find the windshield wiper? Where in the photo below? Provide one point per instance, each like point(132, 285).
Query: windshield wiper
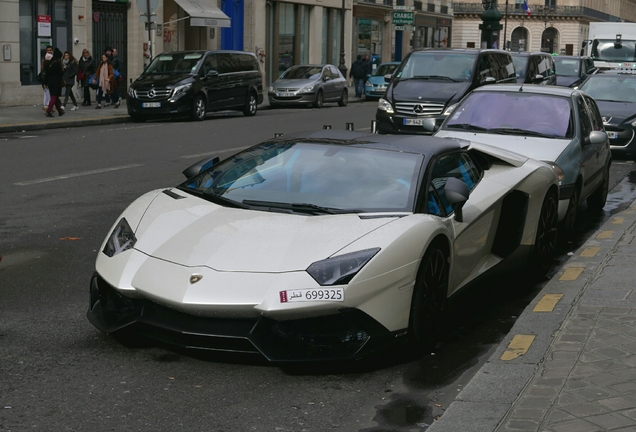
point(214, 198)
point(466, 126)
point(439, 77)
point(517, 131)
point(298, 207)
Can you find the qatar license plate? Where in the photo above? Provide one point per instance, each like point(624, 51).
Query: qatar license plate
point(413, 122)
point(312, 295)
point(612, 135)
point(151, 104)
point(286, 94)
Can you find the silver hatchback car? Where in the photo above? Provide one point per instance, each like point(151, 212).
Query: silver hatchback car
point(311, 85)
point(557, 125)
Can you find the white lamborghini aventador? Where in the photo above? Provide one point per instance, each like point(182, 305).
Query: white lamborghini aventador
point(321, 246)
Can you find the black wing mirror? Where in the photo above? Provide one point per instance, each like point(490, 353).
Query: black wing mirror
point(200, 166)
point(457, 193)
point(212, 73)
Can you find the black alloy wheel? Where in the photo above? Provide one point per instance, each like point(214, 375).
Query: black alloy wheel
point(198, 108)
point(429, 298)
point(344, 99)
point(320, 99)
point(251, 106)
point(545, 243)
point(573, 206)
point(596, 201)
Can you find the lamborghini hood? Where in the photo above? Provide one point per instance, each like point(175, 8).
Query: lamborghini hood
point(194, 232)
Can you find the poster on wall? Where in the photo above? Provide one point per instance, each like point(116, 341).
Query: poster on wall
point(44, 25)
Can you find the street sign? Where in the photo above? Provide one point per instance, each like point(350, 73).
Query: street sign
point(404, 28)
point(143, 6)
point(404, 8)
point(403, 18)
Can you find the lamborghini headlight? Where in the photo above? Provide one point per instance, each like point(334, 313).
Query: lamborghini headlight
point(385, 105)
point(340, 269)
point(121, 239)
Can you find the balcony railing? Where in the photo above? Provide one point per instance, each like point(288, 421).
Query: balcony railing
point(538, 10)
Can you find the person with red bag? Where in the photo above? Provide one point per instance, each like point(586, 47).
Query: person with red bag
point(85, 70)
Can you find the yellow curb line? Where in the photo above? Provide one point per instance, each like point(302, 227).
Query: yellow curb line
point(605, 234)
point(572, 274)
point(547, 303)
point(618, 220)
point(590, 252)
point(519, 345)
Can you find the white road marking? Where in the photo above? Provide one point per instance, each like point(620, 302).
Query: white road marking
point(212, 153)
point(79, 174)
point(27, 136)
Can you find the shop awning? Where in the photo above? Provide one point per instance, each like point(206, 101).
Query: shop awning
point(204, 13)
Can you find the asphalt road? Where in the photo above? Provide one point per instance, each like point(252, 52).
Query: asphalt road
point(61, 191)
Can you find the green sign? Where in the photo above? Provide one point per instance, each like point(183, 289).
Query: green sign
point(401, 18)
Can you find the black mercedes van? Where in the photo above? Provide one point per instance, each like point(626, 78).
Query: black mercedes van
point(196, 82)
point(428, 84)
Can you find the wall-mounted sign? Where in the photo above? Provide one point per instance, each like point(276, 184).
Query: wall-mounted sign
point(44, 25)
point(403, 18)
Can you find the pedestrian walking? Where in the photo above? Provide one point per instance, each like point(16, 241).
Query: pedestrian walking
point(104, 79)
point(358, 73)
point(86, 69)
point(70, 67)
point(368, 64)
point(42, 76)
point(117, 67)
point(54, 81)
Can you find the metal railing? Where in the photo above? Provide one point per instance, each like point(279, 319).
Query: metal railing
point(538, 10)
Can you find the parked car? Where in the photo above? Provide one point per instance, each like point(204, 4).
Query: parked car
point(534, 68)
point(572, 70)
point(196, 82)
point(558, 125)
point(430, 82)
point(376, 84)
point(615, 94)
point(321, 246)
point(311, 85)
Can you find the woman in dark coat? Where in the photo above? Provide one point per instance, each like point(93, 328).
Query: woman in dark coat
point(86, 70)
point(70, 72)
point(55, 83)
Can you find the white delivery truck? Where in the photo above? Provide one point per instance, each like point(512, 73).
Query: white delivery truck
point(611, 45)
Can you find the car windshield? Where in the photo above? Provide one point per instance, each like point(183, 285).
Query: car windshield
point(436, 65)
point(566, 66)
point(521, 63)
point(618, 88)
point(385, 69)
point(515, 113)
point(609, 50)
point(302, 72)
point(313, 178)
point(174, 63)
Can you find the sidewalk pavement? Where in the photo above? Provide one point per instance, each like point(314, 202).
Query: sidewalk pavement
point(31, 117)
point(569, 362)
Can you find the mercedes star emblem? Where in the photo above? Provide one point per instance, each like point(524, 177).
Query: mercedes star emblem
point(418, 109)
point(151, 93)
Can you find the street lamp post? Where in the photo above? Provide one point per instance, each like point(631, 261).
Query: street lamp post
point(342, 66)
point(491, 26)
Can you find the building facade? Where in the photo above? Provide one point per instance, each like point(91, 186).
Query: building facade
point(554, 26)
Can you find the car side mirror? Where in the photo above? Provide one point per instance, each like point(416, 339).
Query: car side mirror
point(212, 73)
point(387, 77)
point(200, 166)
point(489, 80)
point(537, 79)
point(596, 137)
point(457, 193)
point(325, 79)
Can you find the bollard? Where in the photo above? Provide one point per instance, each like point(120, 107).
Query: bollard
point(374, 127)
point(350, 126)
point(326, 126)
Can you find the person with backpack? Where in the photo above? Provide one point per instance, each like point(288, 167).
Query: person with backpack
point(359, 73)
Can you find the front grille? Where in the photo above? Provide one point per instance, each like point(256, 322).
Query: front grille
point(153, 94)
point(286, 89)
point(419, 108)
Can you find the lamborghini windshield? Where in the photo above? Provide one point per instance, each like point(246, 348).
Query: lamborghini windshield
point(313, 178)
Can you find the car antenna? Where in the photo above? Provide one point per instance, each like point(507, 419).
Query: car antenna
point(521, 88)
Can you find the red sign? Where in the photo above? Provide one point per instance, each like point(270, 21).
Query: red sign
point(96, 16)
point(44, 25)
